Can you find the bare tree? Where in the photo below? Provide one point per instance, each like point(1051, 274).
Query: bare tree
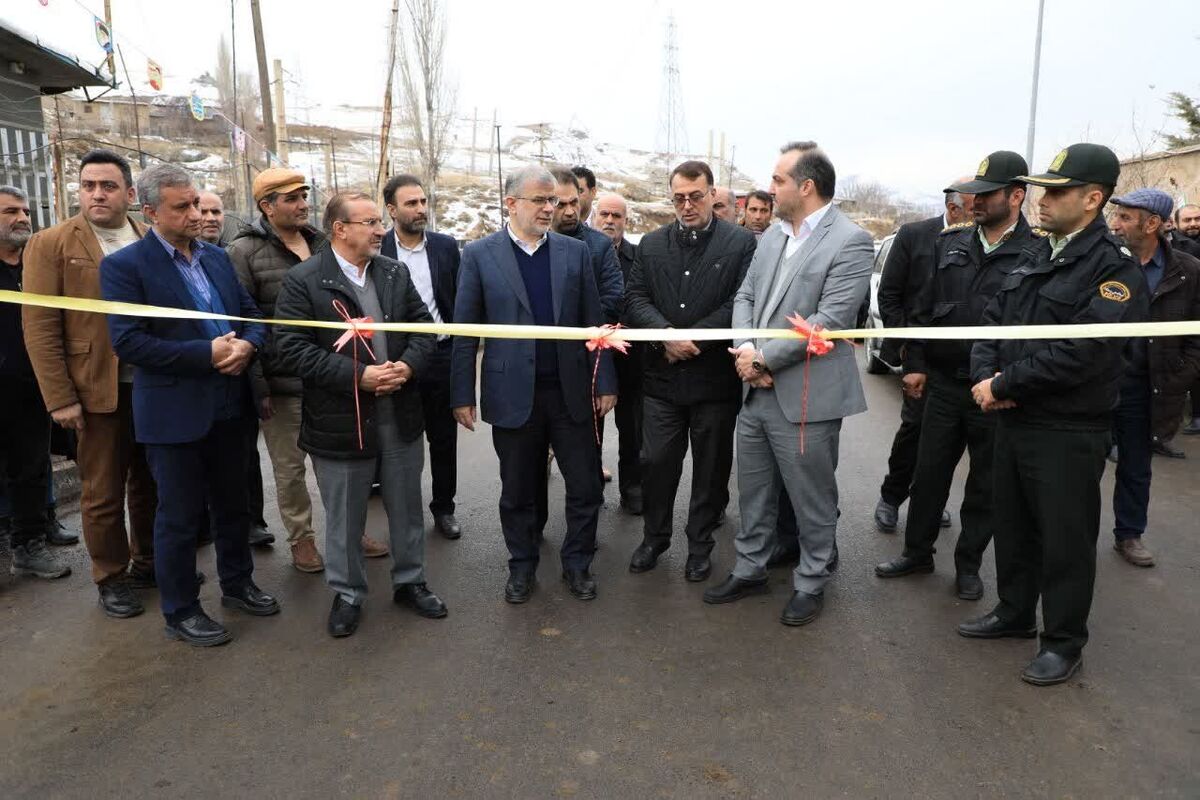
point(870, 198)
point(247, 100)
point(428, 105)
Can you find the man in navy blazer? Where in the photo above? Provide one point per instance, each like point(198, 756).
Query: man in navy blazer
point(536, 393)
point(432, 261)
point(191, 399)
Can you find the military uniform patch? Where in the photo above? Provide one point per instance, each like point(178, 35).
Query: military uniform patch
point(1058, 161)
point(1125, 252)
point(1115, 291)
point(983, 168)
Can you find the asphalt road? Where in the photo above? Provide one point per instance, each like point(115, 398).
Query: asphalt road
point(645, 692)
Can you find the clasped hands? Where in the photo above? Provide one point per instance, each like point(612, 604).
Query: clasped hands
point(982, 393)
point(743, 361)
point(385, 378)
point(231, 355)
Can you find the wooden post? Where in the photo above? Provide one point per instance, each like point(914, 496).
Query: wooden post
point(385, 130)
point(280, 115)
point(264, 80)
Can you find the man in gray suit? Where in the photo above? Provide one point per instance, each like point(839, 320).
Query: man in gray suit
point(817, 264)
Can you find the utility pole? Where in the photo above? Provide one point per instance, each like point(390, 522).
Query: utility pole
point(474, 135)
point(330, 178)
point(264, 80)
point(112, 67)
point(60, 176)
point(1037, 66)
point(137, 123)
point(385, 130)
point(721, 163)
point(333, 150)
point(496, 128)
point(281, 131)
point(500, 174)
point(732, 158)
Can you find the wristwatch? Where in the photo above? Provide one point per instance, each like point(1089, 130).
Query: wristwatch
point(759, 363)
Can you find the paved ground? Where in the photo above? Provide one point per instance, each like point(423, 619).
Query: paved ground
point(645, 692)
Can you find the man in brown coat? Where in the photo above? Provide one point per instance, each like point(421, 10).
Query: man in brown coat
point(85, 388)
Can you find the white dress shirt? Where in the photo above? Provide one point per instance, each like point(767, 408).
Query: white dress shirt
point(350, 270)
point(529, 249)
point(795, 238)
point(417, 261)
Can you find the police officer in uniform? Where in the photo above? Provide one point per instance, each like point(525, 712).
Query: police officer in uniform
point(973, 259)
point(1054, 400)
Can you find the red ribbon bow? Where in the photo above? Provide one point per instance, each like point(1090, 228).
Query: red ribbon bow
point(603, 341)
point(353, 335)
point(818, 345)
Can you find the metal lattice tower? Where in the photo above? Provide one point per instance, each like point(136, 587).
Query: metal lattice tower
point(672, 131)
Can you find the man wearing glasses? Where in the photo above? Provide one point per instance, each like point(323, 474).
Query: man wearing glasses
point(536, 393)
point(685, 276)
point(361, 410)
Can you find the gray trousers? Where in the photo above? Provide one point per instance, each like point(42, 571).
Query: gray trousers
point(345, 489)
point(768, 455)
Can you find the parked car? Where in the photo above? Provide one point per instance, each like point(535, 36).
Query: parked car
point(872, 348)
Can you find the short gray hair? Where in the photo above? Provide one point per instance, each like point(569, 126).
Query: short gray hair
point(13, 191)
point(955, 199)
point(153, 179)
point(518, 178)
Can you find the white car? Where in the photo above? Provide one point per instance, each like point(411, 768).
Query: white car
point(872, 348)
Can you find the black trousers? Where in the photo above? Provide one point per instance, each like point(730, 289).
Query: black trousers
point(522, 453)
point(1133, 437)
point(667, 430)
point(903, 458)
point(211, 470)
point(629, 413)
point(441, 431)
point(25, 453)
point(1046, 495)
point(254, 480)
point(952, 423)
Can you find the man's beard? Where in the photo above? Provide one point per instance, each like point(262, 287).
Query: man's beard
point(14, 238)
point(567, 228)
point(413, 228)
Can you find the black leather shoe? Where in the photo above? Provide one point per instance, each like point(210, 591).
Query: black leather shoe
point(580, 583)
point(733, 588)
point(903, 565)
point(118, 600)
point(989, 626)
point(969, 587)
point(697, 569)
point(447, 526)
point(945, 522)
point(418, 597)
point(645, 558)
point(886, 516)
point(802, 609)
point(199, 630)
point(252, 600)
point(1164, 449)
point(632, 503)
point(1049, 668)
point(343, 617)
point(58, 535)
point(260, 536)
point(519, 588)
point(784, 555)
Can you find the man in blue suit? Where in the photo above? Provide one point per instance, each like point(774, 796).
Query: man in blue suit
point(432, 261)
point(191, 399)
point(535, 393)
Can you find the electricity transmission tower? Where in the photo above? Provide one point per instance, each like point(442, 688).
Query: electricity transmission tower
point(672, 131)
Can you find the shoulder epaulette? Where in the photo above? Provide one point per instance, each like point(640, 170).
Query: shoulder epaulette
point(1041, 232)
point(956, 227)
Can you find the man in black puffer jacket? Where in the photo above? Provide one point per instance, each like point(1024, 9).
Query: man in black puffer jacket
point(361, 408)
point(685, 276)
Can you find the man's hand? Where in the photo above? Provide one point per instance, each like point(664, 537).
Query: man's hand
point(239, 358)
point(913, 385)
point(680, 351)
point(763, 381)
point(222, 348)
point(605, 403)
point(465, 416)
point(982, 392)
point(373, 377)
point(743, 362)
point(265, 409)
point(69, 417)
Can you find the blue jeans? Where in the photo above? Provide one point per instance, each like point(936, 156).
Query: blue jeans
point(1131, 432)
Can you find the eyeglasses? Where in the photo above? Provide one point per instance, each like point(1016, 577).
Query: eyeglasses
point(695, 198)
point(374, 222)
point(540, 201)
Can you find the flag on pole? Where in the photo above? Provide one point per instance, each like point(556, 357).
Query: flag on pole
point(154, 72)
point(103, 36)
point(197, 107)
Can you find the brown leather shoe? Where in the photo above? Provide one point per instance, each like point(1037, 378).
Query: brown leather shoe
point(306, 557)
point(1133, 551)
point(373, 548)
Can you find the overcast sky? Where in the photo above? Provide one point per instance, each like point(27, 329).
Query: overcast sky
point(911, 93)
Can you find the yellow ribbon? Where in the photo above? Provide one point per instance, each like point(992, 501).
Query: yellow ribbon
point(484, 331)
